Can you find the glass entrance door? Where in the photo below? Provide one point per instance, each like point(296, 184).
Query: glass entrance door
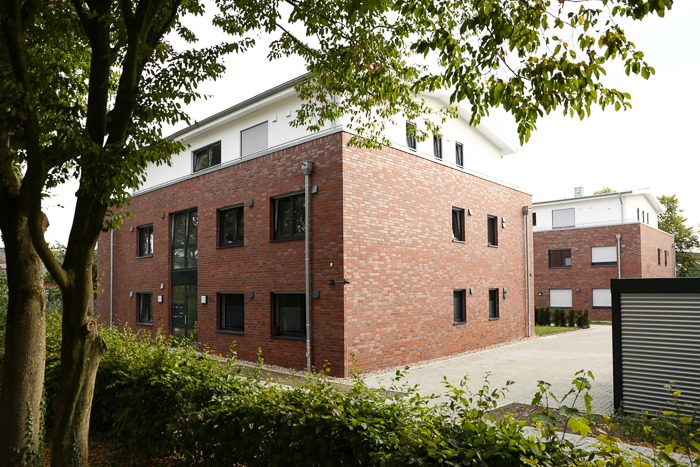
point(184, 311)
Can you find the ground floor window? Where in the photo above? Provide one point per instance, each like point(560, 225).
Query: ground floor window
point(493, 304)
point(231, 312)
point(561, 298)
point(145, 307)
point(602, 298)
point(460, 311)
point(289, 311)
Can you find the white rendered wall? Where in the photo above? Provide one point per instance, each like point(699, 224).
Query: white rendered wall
point(596, 211)
point(482, 156)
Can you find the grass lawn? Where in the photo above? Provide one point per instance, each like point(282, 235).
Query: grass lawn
point(543, 330)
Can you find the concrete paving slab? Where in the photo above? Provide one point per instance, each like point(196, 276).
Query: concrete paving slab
point(554, 359)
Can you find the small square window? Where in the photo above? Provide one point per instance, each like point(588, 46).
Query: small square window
point(144, 311)
point(231, 226)
point(289, 311)
point(459, 154)
point(145, 234)
point(437, 146)
point(560, 258)
point(458, 224)
point(492, 226)
point(231, 312)
point(206, 157)
point(288, 217)
point(459, 306)
point(493, 304)
point(411, 135)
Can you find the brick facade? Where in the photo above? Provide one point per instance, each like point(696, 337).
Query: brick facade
point(639, 247)
point(380, 219)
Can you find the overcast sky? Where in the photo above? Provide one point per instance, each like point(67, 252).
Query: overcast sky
point(652, 146)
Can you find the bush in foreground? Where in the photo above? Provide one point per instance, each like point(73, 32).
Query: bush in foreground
point(169, 400)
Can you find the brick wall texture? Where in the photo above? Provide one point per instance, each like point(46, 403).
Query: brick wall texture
point(640, 245)
point(380, 219)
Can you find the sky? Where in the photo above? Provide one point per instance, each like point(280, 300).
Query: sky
point(652, 146)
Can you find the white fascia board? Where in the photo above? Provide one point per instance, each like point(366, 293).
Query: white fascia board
point(505, 146)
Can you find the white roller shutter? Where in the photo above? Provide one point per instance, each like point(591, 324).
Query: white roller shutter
point(602, 297)
point(254, 139)
point(561, 298)
point(562, 218)
point(603, 254)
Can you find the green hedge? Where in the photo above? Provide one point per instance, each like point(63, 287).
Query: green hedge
point(544, 316)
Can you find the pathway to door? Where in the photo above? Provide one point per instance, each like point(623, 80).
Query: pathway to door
point(554, 359)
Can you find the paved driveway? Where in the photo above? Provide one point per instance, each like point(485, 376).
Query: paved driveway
point(554, 359)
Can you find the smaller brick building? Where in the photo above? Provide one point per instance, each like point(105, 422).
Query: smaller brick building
point(581, 243)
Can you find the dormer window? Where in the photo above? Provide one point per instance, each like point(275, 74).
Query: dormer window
point(206, 157)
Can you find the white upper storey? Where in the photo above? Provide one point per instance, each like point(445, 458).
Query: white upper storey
point(272, 112)
point(635, 206)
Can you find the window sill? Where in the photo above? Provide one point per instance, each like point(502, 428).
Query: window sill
point(286, 239)
point(454, 240)
point(144, 324)
point(230, 331)
point(560, 267)
point(288, 337)
point(602, 265)
point(232, 245)
point(145, 256)
point(494, 319)
point(492, 246)
point(460, 323)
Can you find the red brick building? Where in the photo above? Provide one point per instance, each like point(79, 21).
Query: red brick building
point(411, 257)
point(582, 243)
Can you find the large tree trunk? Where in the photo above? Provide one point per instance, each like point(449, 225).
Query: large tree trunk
point(25, 345)
point(82, 346)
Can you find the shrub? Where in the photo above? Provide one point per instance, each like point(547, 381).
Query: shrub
point(582, 321)
point(546, 316)
point(572, 317)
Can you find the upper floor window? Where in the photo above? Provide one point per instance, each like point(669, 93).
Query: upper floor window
point(658, 254)
point(206, 157)
point(494, 312)
point(458, 224)
point(144, 312)
point(459, 154)
point(254, 139)
point(604, 256)
point(145, 234)
point(665, 257)
point(184, 244)
point(560, 258)
point(288, 217)
point(562, 218)
point(492, 227)
point(458, 305)
point(231, 308)
point(437, 146)
point(231, 226)
point(411, 135)
point(534, 219)
point(289, 314)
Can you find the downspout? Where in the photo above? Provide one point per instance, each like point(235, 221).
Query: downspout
point(307, 167)
point(111, 278)
point(619, 260)
point(526, 211)
point(622, 210)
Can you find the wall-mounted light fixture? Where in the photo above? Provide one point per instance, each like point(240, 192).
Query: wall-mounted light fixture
point(131, 294)
point(162, 286)
point(131, 229)
point(251, 202)
point(471, 290)
point(539, 294)
point(251, 294)
point(203, 299)
point(160, 299)
point(470, 212)
point(505, 293)
point(314, 189)
point(503, 222)
point(317, 294)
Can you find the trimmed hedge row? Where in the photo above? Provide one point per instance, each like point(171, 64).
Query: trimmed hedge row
point(546, 316)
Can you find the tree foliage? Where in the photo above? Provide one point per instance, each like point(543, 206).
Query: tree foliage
point(686, 240)
point(606, 189)
point(86, 86)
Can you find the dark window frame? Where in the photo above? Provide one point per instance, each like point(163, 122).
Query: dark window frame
point(666, 258)
point(437, 147)
point(658, 254)
point(459, 306)
point(534, 219)
point(457, 224)
point(459, 154)
point(492, 230)
point(411, 135)
point(148, 229)
point(298, 229)
point(143, 298)
point(603, 263)
point(557, 257)
point(295, 334)
point(238, 226)
point(187, 246)
point(223, 300)
point(210, 152)
point(494, 311)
